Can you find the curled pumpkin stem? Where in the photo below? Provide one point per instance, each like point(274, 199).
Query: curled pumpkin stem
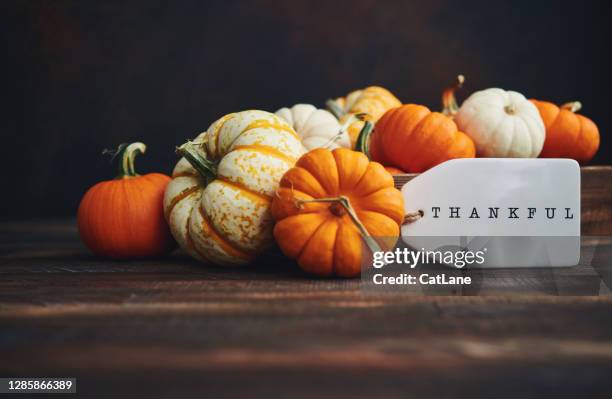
point(346, 204)
point(128, 153)
point(449, 102)
point(573, 106)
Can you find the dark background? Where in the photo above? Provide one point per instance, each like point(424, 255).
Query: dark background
point(82, 76)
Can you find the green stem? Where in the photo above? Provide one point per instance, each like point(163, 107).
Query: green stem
point(335, 109)
point(128, 153)
point(363, 140)
point(206, 168)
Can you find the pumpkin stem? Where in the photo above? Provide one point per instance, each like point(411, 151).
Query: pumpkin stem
point(573, 106)
point(128, 153)
point(449, 102)
point(343, 201)
point(363, 140)
point(205, 168)
point(335, 109)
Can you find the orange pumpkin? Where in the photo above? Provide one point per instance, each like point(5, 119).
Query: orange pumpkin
point(414, 139)
point(123, 218)
point(328, 203)
point(568, 134)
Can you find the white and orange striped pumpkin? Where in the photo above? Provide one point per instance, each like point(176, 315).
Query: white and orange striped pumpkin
point(318, 128)
point(217, 204)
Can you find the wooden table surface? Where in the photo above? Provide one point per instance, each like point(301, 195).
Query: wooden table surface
point(172, 328)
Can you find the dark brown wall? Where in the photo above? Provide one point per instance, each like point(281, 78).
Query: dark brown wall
point(83, 75)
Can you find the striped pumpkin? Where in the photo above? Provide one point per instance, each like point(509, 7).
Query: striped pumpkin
point(217, 204)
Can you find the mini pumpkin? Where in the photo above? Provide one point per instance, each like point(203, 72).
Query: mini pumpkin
point(328, 203)
point(414, 139)
point(218, 202)
point(123, 218)
point(502, 123)
point(316, 127)
point(371, 102)
point(568, 134)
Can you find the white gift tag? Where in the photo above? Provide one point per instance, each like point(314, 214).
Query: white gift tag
point(526, 212)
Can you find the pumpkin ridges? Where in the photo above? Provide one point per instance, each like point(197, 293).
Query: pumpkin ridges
point(348, 250)
point(351, 167)
point(251, 194)
point(266, 150)
point(293, 232)
point(218, 125)
point(386, 201)
point(266, 124)
point(317, 256)
point(373, 180)
point(226, 245)
point(180, 197)
point(379, 224)
point(302, 180)
point(191, 246)
point(322, 166)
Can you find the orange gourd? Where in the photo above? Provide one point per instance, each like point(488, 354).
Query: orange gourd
point(568, 134)
point(414, 139)
point(328, 203)
point(123, 218)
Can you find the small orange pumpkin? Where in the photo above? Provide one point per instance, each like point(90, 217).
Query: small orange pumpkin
point(414, 139)
point(327, 203)
point(568, 134)
point(124, 218)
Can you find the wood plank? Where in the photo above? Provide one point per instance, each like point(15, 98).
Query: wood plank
point(171, 327)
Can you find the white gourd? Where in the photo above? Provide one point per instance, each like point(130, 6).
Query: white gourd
point(218, 211)
point(316, 127)
point(503, 124)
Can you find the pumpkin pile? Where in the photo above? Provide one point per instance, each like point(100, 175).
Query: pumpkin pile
point(315, 182)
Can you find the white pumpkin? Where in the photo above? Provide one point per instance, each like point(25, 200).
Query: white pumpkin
point(502, 124)
point(217, 204)
point(316, 127)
